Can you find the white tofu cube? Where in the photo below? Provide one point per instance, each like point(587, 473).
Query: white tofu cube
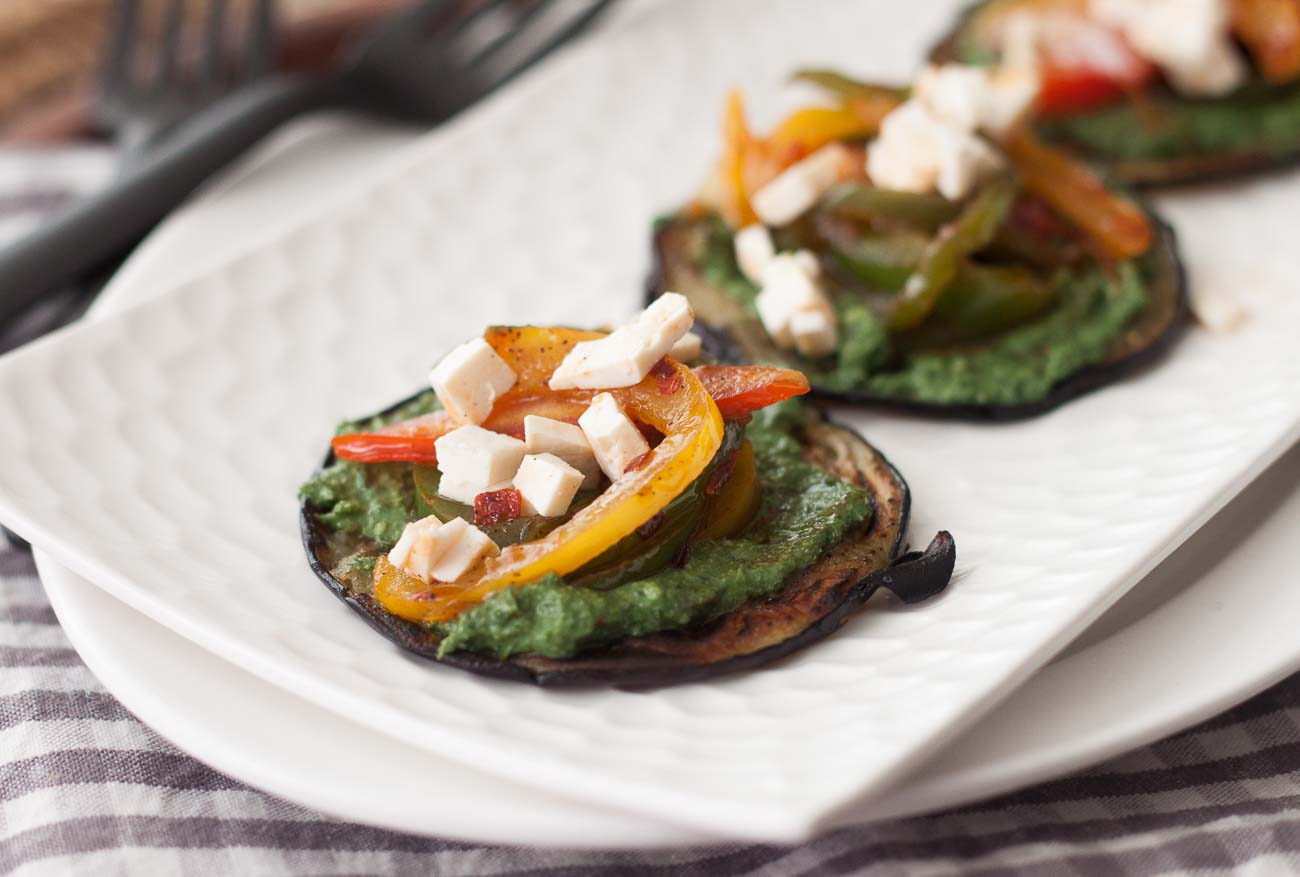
point(547, 485)
point(626, 355)
point(613, 436)
point(542, 435)
point(466, 546)
point(798, 187)
point(474, 460)
point(422, 544)
point(687, 348)
point(470, 379)
point(793, 286)
point(815, 332)
point(463, 491)
point(977, 98)
point(1189, 39)
point(917, 152)
point(754, 250)
point(1216, 308)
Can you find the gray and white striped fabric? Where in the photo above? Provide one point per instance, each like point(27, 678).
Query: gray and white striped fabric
point(86, 789)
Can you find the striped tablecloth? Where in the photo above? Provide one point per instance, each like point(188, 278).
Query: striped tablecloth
point(86, 789)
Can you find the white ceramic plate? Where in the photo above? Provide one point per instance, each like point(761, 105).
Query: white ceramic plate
point(1119, 686)
point(1229, 590)
point(145, 463)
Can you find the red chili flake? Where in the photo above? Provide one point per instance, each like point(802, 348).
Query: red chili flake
point(637, 462)
point(650, 527)
point(722, 474)
point(497, 505)
point(670, 379)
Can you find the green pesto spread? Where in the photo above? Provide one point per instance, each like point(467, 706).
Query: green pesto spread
point(1019, 366)
point(805, 511)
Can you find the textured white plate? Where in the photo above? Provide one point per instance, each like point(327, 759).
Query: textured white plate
point(157, 452)
point(1229, 590)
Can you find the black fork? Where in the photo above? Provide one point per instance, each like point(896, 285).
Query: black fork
point(423, 64)
point(149, 86)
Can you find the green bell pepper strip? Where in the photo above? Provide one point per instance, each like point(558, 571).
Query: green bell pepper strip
point(844, 87)
point(973, 230)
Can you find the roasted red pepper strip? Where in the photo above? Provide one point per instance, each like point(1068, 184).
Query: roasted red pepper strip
point(742, 390)
point(410, 441)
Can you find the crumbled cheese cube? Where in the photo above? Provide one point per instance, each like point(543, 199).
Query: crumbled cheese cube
point(547, 485)
point(1191, 40)
point(793, 288)
point(469, 380)
point(1215, 308)
point(422, 545)
point(466, 545)
point(754, 250)
point(626, 355)
point(474, 460)
point(463, 490)
point(542, 435)
point(613, 436)
point(977, 98)
point(798, 187)
point(687, 347)
point(917, 152)
point(815, 332)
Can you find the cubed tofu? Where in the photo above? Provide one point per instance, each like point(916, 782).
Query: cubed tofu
point(547, 485)
point(626, 355)
point(754, 250)
point(475, 460)
point(1216, 308)
point(815, 332)
point(612, 435)
point(977, 98)
point(917, 152)
point(466, 545)
point(687, 348)
point(421, 545)
point(542, 435)
point(464, 491)
point(793, 286)
point(470, 379)
point(798, 187)
point(1190, 40)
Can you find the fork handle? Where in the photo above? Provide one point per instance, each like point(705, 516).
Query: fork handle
point(92, 232)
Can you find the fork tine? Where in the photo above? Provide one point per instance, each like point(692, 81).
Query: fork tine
point(259, 54)
point(511, 67)
point(169, 49)
point(118, 55)
point(208, 68)
point(418, 16)
point(519, 24)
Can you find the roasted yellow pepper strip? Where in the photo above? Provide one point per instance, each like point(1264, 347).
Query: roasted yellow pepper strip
point(671, 400)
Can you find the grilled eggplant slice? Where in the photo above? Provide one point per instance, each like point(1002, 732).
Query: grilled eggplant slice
point(1177, 138)
point(685, 260)
point(813, 604)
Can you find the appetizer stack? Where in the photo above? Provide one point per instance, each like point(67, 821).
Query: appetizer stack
point(569, 506)
point(1160, 90)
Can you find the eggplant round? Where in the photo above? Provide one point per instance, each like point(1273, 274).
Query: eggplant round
point(731, 334)
point(1176, 167)
point(813, 604)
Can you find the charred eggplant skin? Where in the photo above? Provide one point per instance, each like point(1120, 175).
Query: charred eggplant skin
point(813, 605)
point(1202, 167)
point(1157, 331)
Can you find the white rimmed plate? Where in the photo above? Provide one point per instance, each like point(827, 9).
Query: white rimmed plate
point(171, 490)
